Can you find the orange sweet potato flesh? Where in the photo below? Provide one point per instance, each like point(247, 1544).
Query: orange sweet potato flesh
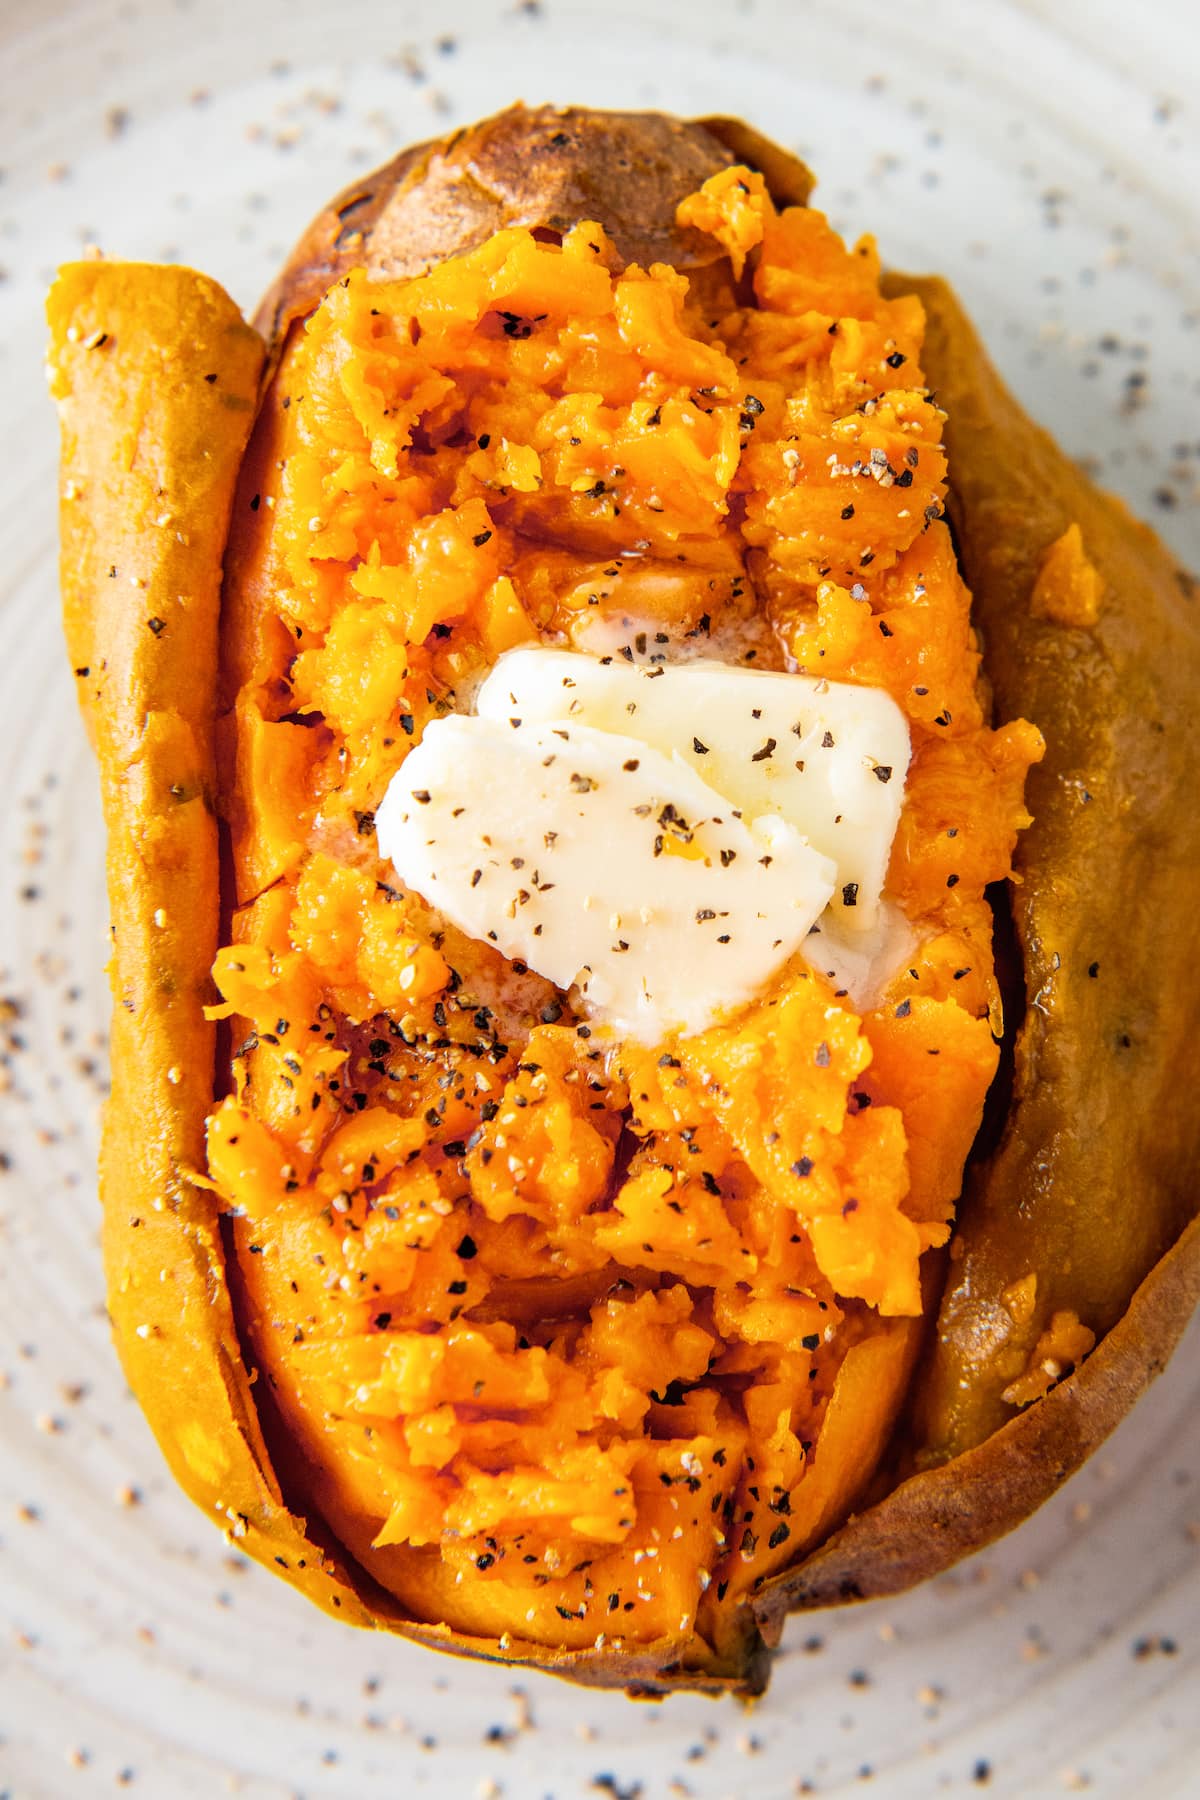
point(229, 1446)
point(400, 1393)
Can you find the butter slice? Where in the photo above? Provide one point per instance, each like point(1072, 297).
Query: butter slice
point(601, 861)
point(829, 757)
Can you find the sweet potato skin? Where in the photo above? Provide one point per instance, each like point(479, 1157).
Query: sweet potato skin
point(933, 1519)
point(398, 222)
point(547, 167)
point(1095, 1176)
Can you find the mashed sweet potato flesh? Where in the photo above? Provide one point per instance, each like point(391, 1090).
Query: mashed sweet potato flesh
point(581, 1341)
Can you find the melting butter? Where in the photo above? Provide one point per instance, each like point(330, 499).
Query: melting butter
point(660, 838)
point(605, 864)
point(828, 757)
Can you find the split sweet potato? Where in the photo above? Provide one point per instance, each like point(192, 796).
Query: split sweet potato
point(1074, 1232)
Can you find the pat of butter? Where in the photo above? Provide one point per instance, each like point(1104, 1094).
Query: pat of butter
point(604, 863)
point(828, 757)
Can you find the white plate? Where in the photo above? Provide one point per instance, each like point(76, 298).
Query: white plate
point(1047, 157)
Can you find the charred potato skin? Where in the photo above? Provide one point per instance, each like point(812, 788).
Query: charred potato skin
point(546, 168)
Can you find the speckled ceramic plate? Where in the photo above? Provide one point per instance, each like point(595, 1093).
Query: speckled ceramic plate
point(1047, 157)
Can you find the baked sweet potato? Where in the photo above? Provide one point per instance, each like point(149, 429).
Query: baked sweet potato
point(397, 1375)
